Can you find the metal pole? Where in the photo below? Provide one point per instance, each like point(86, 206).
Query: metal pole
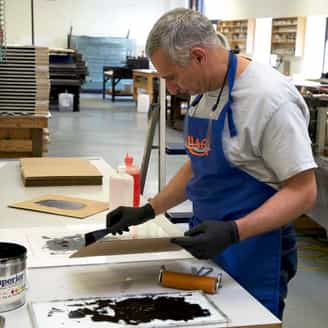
point(32, 22)
point(325, 52)
point(162, 136)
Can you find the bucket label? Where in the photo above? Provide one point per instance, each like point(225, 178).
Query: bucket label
point(11, 287)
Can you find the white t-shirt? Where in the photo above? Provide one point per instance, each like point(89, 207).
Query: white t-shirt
point(271, 119)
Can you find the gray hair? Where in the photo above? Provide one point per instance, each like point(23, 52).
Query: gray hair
point(178, 31)
point(223, 40)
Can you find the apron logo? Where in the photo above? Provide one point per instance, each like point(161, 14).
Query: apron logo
point(197, 147)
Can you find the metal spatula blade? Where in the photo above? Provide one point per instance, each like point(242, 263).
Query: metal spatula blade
point(93, 236)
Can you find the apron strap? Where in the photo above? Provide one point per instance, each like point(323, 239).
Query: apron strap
point(231, 80)
point(196, 100)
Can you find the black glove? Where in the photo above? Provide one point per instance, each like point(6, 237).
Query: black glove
point(209, 238)
point(121, 218)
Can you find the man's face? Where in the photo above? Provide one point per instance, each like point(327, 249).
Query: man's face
point(180, 80)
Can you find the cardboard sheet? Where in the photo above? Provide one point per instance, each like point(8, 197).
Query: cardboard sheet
point(106, 247)
point(56, 171)
point(63, 205)
point(144, 238)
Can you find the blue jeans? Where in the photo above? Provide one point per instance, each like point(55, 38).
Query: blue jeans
point(288, 263)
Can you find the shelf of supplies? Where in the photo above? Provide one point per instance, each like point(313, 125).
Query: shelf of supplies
point(284, 25)
point(295, 27)
point(233, 33)
point(244, 29)
point(285, 32)
point(234, 25)
point(283, 42)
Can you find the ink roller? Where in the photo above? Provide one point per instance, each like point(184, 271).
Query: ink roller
point(187, 281)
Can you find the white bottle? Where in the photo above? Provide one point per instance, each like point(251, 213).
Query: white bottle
point(120, 189)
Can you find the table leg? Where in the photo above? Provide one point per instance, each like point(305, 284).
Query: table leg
point(113, 88)
point(104, 87)
point(76, 100)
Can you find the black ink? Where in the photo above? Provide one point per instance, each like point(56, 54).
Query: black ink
point(54, 310)
point(66, 243)
point(11, 250)
point(61, 204)
point(140, 310)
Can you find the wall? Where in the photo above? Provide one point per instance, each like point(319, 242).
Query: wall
point(18, 11)
point(53, 19)
point(238, 9)
point(262, 44)
point(314, 46)
point(310, 65)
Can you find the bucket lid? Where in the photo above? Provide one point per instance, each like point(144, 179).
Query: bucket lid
point(11, 251)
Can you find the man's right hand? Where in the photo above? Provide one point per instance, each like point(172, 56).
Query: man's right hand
point(121, 218)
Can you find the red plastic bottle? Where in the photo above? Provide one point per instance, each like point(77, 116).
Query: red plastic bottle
point(135, 173)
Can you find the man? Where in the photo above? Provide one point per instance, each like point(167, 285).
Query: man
point(250, 170)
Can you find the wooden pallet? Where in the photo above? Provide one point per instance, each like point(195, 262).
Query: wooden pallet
point(23, 135)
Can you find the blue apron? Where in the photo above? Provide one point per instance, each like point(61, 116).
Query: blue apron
point(220, 191)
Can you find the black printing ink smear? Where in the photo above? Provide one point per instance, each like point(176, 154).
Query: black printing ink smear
point(54, 310)
point(67, 243)
point(134, 311)
point(61, 204)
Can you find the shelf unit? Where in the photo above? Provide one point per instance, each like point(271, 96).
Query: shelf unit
point(239, 33)
point(287, 37)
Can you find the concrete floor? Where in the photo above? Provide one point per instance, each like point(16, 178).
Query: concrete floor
point(109, 130)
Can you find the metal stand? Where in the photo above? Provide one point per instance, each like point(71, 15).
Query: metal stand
point(157, 115)
point(162, 136)
point(149, 146)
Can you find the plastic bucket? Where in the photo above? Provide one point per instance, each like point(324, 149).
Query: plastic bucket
point(143, 103)
point(65, 101)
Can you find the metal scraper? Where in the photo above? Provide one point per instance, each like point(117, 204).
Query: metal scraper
point(93, 236)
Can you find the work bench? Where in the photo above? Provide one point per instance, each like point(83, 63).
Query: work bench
point(134, 276)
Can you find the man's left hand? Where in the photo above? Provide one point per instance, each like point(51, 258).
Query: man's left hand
point(209, 238)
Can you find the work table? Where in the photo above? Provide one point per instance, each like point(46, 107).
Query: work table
point(108, 279)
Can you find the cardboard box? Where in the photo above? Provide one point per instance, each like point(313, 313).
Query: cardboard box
point(56, 171)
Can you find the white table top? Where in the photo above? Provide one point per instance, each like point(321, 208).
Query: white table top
point(112, 279)
point(12, 190)
point(306, 83)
